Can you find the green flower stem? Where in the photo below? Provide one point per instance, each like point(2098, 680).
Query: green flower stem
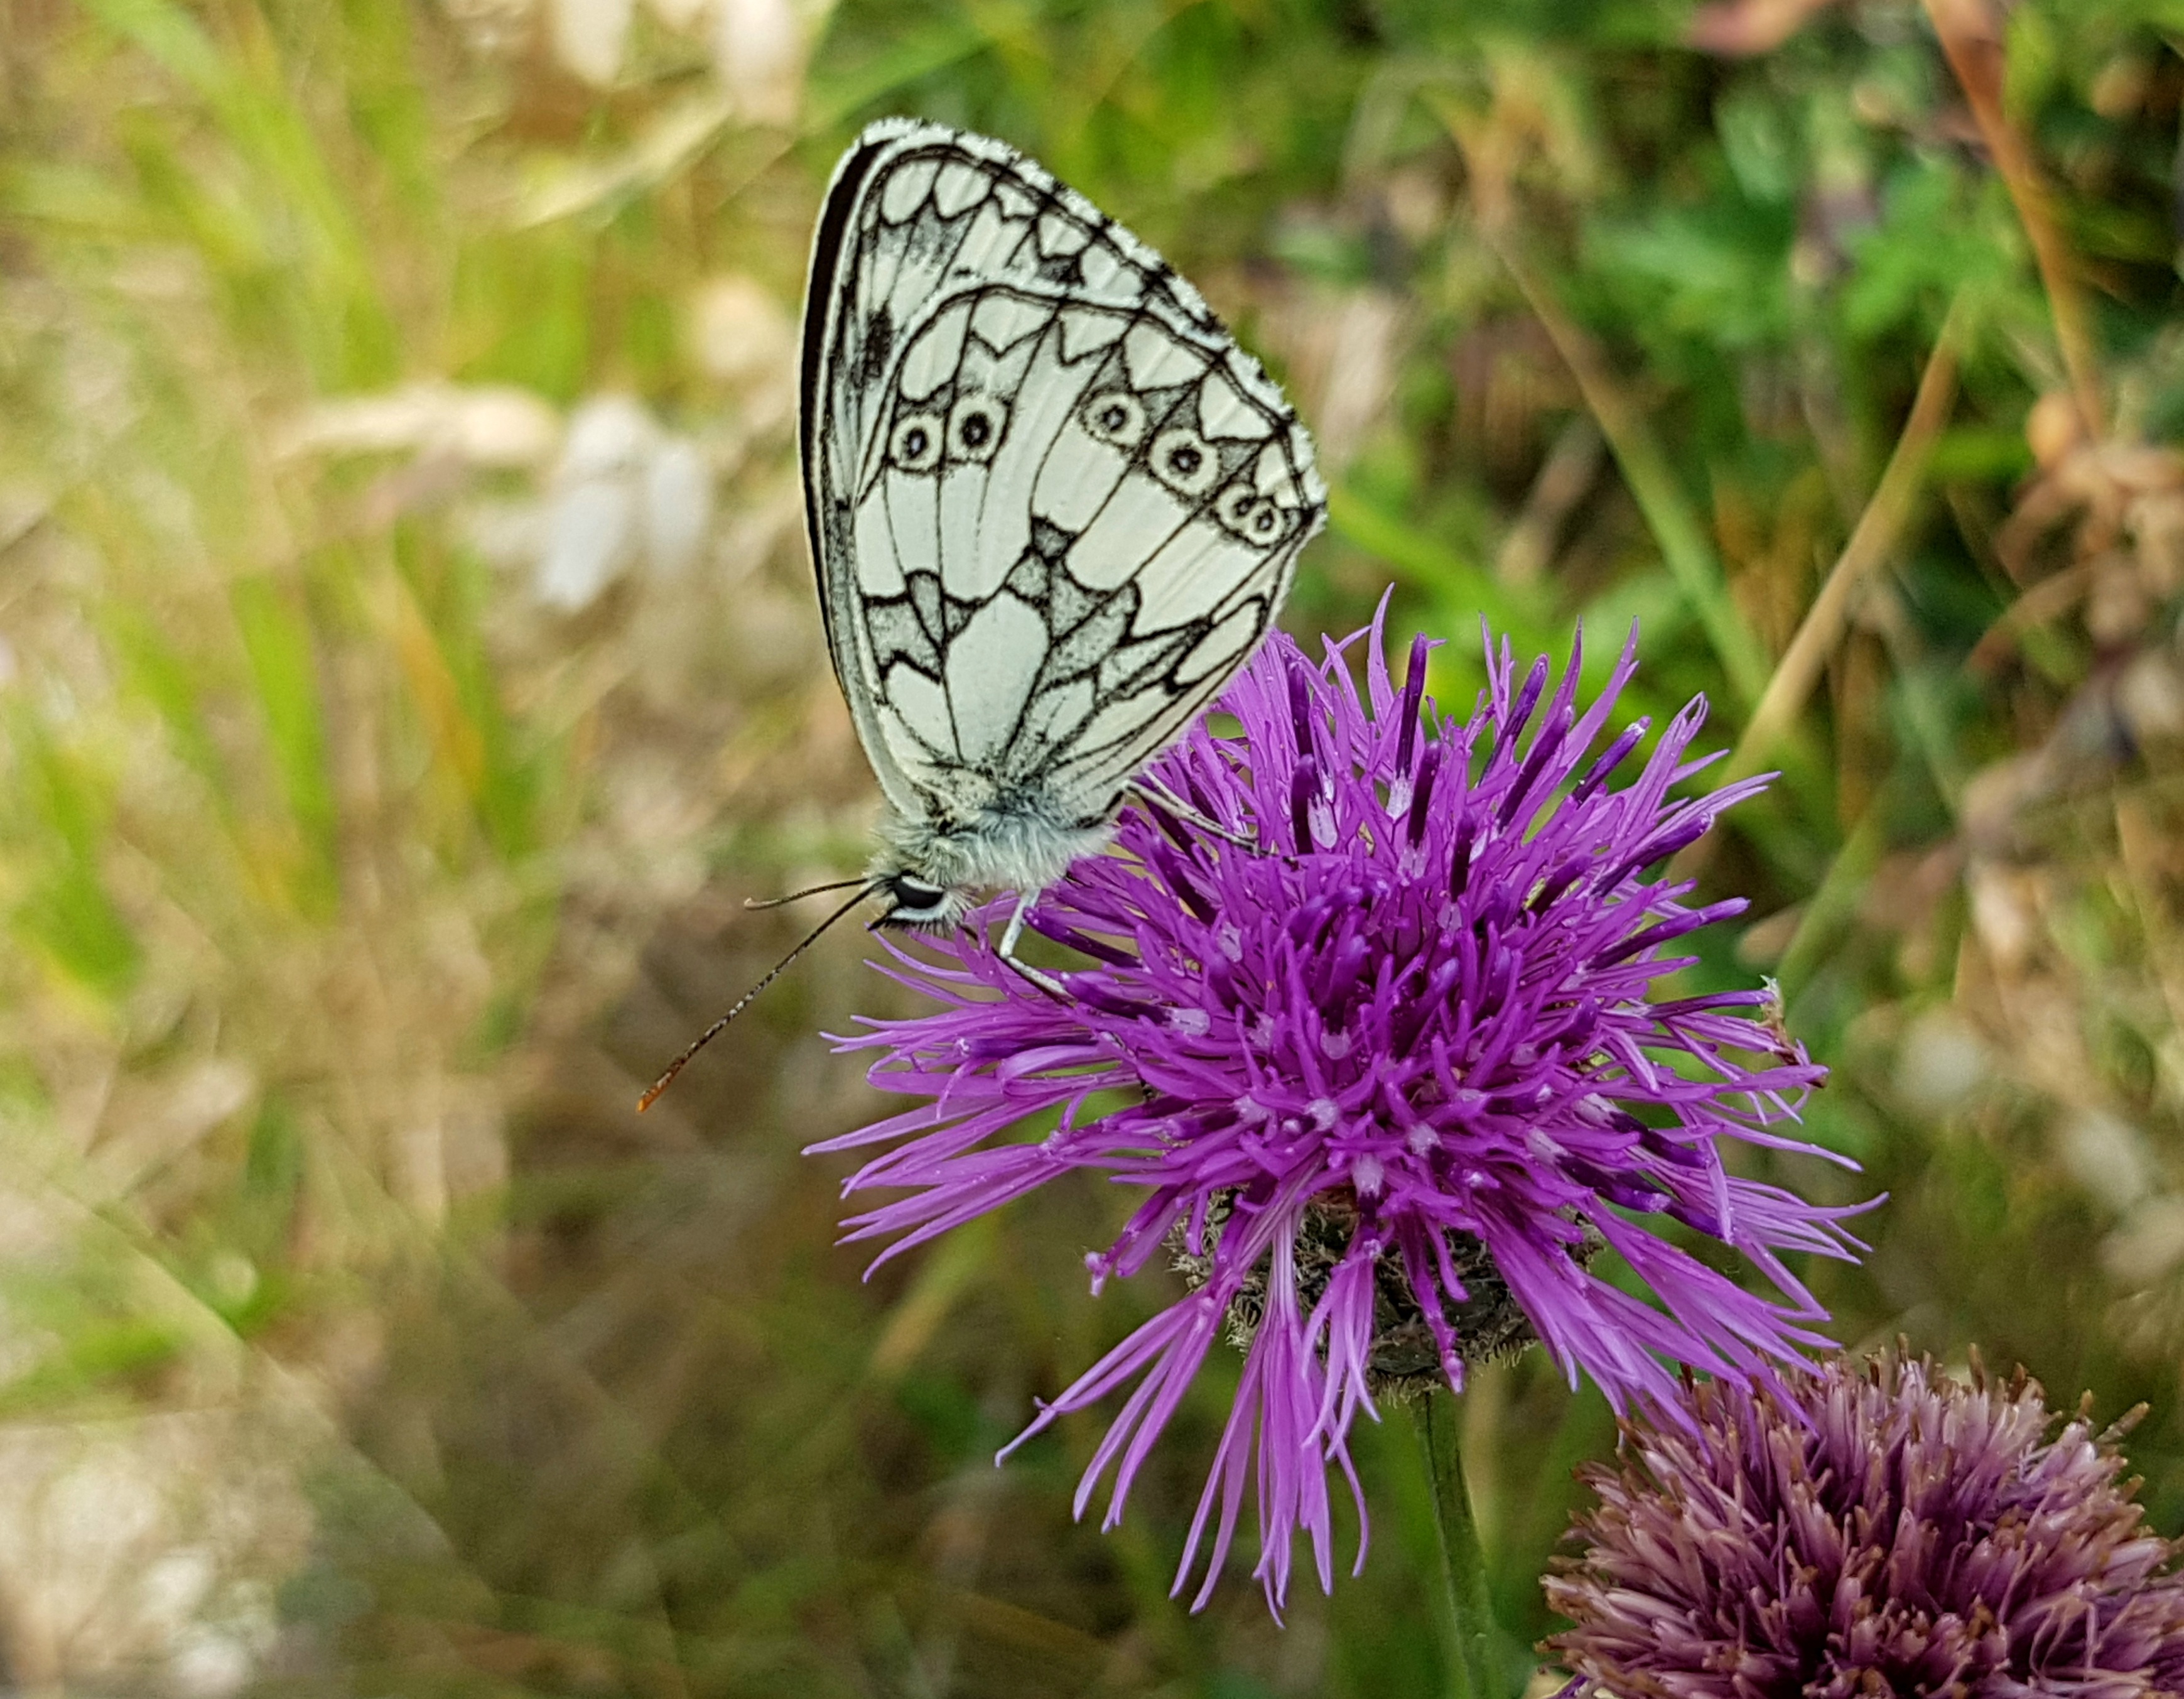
point(1468, 1613)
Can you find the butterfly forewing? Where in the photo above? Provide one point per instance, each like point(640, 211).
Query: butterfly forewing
point(1054, 507)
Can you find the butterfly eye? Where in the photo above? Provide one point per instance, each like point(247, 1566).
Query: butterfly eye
point(1185, 461)
point(974, 427)
point(1118, 417)
point(916, 444)
point(917, 903)
point(1233, 507)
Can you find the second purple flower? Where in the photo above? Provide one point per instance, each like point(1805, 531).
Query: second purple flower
point(1398, 1079)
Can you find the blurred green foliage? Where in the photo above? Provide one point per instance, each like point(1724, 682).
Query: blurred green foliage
point(357, 877)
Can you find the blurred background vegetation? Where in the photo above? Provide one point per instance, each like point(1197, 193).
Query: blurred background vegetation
point(409, 660)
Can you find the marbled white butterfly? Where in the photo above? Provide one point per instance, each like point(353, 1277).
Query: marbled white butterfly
point(1053, 507)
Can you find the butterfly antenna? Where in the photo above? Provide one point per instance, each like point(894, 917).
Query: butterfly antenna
point(808, 890)
point(865, 888)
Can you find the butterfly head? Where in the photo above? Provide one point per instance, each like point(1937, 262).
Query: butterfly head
point(917, 902)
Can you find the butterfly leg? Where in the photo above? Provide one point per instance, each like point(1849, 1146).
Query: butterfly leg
point(1045, 981)
point(1015, 930)
point(1161, 796)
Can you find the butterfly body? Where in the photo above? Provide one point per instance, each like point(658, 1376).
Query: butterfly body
point(1052, 505)
point(931, 870)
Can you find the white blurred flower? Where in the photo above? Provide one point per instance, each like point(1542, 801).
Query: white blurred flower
point(206, 1659)
point(588, 37)
point(2148, 1243)
point(211, 1663)
point(1942, 1061)
point(759, 51)
point(626, 491)
point(620, 489)
point(608, 435)
point(590, 528)
point(132, 1548)
point(2108, 1156)
point(759, 47)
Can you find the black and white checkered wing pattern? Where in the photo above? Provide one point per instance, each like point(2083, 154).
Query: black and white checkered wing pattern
point(1054, 506)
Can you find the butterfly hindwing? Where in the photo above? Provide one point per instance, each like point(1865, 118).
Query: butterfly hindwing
point(1054, 506)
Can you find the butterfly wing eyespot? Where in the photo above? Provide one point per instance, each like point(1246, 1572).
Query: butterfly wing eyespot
point(1266, 524)
point(1235, 507)
point(916, 444)
point(1115, 417)
point(1185, 461)
point(975, 424)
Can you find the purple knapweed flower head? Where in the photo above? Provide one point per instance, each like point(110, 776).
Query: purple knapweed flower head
point(1875, 1528)
point(1396, 1077)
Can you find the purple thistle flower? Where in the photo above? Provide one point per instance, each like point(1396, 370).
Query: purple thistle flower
point(1397, 1083)
point(1874, 1528)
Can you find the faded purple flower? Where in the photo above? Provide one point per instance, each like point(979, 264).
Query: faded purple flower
point(1398, 1081)
point(1870, 1528)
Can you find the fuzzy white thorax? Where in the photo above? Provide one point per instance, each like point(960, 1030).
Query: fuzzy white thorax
point(1023, 849)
